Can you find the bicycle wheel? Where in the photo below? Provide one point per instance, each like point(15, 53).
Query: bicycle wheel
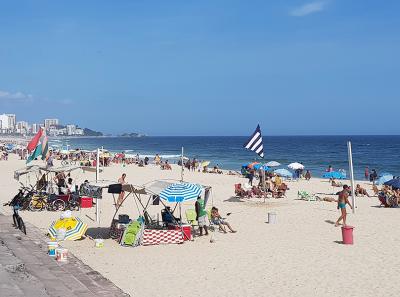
point(21, 225)
point(64, 162)
point(72, 162)
point(58, 204)
point(15, 220)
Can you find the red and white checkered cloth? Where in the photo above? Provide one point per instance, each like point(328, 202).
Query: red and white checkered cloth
point(151, 237)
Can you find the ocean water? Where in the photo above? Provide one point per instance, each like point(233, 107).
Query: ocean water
point(315, 152)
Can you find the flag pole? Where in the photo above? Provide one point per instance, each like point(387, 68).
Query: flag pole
point(97, 179)
point(353, 195)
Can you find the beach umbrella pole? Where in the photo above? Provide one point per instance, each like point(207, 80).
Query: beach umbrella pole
point(263, 183)
point(353, 195)
point(97, 179)
point(182, 165)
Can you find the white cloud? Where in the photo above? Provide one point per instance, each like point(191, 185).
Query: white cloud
point(17, 96)
point(308, 8)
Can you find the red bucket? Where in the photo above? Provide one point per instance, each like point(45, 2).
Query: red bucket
point(347, 234)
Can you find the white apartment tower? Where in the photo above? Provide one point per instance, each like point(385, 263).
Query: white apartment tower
point(4, 123)
point(35, 128)
point(12, 121)
point(71, 129)
point(50, 122)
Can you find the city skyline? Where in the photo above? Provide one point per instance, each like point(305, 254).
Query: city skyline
point(10, 125)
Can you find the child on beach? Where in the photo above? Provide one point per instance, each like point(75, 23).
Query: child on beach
point(218, 220)
point(342, 201)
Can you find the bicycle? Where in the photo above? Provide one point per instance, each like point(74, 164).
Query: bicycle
point(15, 204)
point(38, 202)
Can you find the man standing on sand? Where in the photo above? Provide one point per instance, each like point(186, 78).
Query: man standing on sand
point(201, 215)
point(342, 201)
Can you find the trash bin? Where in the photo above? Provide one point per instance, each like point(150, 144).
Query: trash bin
point(347, 234)
point(271, 218)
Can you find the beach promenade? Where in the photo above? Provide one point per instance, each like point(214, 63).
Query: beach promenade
point(27, 270)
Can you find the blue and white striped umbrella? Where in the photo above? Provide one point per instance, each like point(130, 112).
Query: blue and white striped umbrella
point(181, 192)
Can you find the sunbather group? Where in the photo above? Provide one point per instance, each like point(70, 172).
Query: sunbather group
point(389, 197)
point(272, 186)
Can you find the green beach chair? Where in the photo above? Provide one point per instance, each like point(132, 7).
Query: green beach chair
point(303, 195)
point(130, 233)
point(191, 217)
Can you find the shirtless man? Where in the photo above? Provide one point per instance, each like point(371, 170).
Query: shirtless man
point(342, 201)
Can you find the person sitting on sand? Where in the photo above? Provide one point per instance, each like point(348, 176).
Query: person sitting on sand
point(361, 191)
point(219, 221)
point(257, 192)
point(70, 186)
point(278, 181)
point(334, 183)
point(167, 166)
point(342, 201)
point(375, 189)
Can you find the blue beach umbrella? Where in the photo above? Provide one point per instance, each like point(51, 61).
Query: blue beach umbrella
point(334, 174)
point(257, 166)
point(283, 172)
point(273, 164)
point(181, 192)
point(384, 178)
point(266, 168)
point(394, 183)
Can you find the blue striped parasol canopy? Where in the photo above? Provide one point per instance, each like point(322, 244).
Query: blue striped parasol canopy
point(334, 174)
point(283, 172)
point(181, 192)
point(384, 178)
point(394, 183)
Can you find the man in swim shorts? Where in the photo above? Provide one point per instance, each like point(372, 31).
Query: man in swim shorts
point(342, 201)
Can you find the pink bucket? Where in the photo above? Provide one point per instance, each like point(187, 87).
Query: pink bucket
point(347, 234)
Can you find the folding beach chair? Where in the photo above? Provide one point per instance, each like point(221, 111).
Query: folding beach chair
point(212, 227)
point(303, 195)
point(191, 218)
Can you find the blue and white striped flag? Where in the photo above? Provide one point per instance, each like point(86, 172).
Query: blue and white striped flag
point(255, 143)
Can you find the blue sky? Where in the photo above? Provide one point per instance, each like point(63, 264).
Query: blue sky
point(204, 67)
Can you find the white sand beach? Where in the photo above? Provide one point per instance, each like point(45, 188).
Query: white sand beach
point(301, 255)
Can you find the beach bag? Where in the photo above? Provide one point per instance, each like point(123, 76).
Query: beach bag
point(123, 219)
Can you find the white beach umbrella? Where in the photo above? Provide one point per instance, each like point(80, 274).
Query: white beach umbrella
point(273, 164)
point(296, 166)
